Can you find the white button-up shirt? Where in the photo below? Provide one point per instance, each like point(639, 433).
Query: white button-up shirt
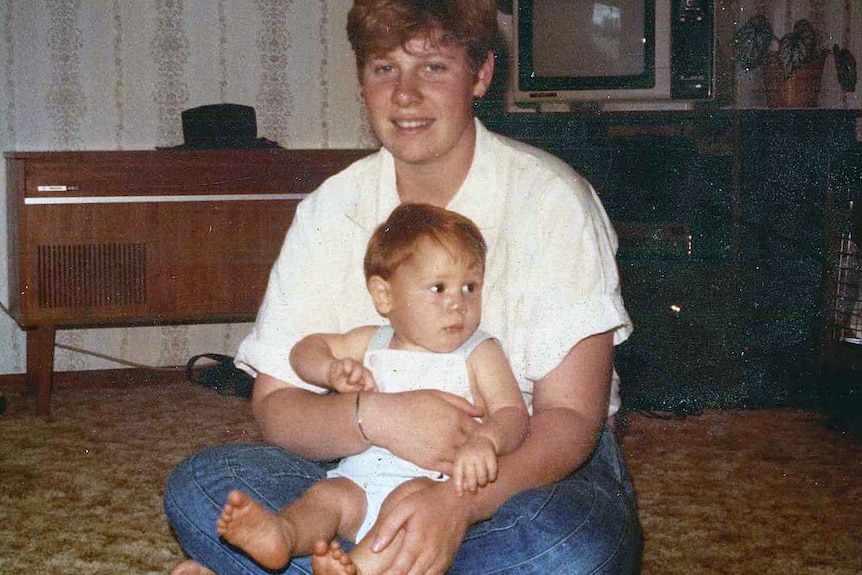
point(550, 278)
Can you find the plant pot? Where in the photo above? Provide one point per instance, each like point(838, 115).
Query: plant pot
point(749, 87)
point(799, 90)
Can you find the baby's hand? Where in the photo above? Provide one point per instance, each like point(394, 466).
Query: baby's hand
point(347, 375)
point(475, 465)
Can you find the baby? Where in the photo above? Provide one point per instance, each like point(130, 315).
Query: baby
point(424, 269)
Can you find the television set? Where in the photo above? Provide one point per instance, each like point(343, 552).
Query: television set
point(616, 54)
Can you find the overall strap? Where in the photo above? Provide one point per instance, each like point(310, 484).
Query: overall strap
point(381, 338)
point(468, 346)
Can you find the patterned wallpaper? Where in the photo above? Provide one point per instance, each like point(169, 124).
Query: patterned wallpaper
point(116, 74)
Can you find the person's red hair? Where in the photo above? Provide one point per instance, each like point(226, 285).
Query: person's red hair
point(376, 27)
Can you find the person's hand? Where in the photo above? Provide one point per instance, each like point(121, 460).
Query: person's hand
point(425, 427)
point(430, 522)
point(475, 465)
point(347, 375)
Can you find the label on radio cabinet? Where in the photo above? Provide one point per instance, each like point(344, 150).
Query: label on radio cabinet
point(58, 188)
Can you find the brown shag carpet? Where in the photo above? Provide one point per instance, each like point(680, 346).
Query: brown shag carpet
point(726, 492)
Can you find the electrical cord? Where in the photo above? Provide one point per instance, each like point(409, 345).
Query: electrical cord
point(118, 360)
point(73, 349)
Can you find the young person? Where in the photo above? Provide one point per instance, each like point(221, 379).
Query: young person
point(424, 270)
point(562, 502)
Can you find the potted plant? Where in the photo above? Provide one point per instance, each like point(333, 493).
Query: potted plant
point(794, 70)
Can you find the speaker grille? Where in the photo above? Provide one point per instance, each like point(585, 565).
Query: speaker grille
point(92, 275)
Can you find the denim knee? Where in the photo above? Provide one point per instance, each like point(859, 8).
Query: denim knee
point(584, 524)
point(197, 488)
point(273, 476)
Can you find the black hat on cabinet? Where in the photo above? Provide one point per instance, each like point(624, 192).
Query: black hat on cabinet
point(221, 127)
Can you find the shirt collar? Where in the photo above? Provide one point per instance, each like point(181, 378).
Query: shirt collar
point(375, 200)
point(373, 208)
point(479, 185)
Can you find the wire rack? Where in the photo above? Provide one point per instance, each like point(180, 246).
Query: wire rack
point(846, 303)
point(841, 333)
point(845, 300)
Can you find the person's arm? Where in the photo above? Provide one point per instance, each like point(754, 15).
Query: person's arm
point(326, 426)
point(505, 425)
point(425, 426)
point(293, 417)
point(334, 360)
point(306, 423)
point(569, 408)
point(497, 394)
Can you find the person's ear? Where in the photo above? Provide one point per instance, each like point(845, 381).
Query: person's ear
point(381, 295)
point(483, 76)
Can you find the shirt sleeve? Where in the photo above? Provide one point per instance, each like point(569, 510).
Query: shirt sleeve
point(572, 290)
point(295, 301)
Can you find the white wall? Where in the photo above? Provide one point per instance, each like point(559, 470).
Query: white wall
point(116, 74)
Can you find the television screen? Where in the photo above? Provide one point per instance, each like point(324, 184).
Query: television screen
point(586, 43)
point(588, 38)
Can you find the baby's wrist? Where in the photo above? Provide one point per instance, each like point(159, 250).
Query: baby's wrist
point(485, 437)
point(329, 373)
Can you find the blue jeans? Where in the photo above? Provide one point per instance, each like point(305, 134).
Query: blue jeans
point(586, 523)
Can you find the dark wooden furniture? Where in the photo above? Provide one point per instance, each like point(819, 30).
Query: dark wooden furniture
point(147, 237)
point(736, 320)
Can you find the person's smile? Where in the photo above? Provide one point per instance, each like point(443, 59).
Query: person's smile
point(410, 127)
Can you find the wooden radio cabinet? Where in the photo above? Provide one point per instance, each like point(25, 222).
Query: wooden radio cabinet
point(147, 237)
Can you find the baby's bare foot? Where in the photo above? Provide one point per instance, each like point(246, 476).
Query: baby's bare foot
point(190, 567)
point(330, 559)
point(256, 530)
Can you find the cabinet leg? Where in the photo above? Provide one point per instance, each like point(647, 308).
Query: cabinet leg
point(40, 366)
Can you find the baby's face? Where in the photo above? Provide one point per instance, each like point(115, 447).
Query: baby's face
point(436, 299)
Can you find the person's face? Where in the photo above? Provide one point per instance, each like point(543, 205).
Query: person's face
point(419, 100)
point(433, 300)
